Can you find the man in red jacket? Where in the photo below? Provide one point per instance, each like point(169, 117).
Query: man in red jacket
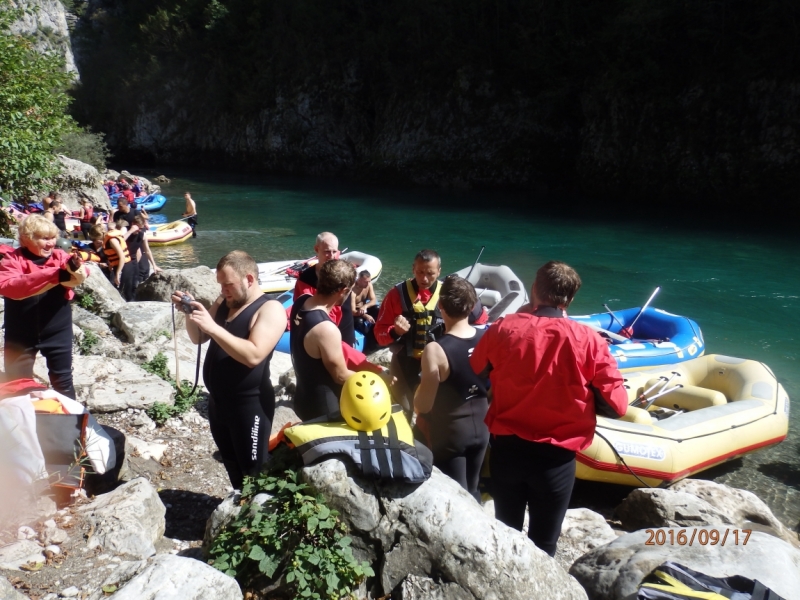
point(549, 376)
point(37, 280)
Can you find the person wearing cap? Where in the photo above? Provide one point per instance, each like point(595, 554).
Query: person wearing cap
point(37, 281)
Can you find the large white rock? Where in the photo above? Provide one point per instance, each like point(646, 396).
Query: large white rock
point(199, 282)
point(78, 180)
point(438, 530)
point(142, 321)
point(112, 384)
point(89, 321)
point(13, 556)
point(582, 530)
point(107, 299)
point(168, 577)
point(614, 571)
point(744, 508)
point(128, 520)
point(47, 16)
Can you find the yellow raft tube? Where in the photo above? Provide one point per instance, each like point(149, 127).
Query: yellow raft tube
point(699, 413)
point(169, 234)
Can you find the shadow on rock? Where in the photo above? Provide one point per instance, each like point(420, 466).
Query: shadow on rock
point(187, 513)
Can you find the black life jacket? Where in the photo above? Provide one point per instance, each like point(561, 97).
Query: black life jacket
point(426, 320)
point(672, 581)
point(389, 453)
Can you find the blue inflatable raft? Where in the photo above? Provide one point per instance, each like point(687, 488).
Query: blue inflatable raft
point(659, 337)
point(151, 203)
point(287, 300)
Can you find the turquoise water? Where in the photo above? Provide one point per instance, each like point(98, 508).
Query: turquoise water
point(743, 288)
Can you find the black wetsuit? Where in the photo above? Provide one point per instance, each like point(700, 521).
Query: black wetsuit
point(60, 221)
point(317, 394)
point(134, 242)
point(242, 402)
point(125, 216)
point(41, 323)
point(346, 325)
point(457, 433)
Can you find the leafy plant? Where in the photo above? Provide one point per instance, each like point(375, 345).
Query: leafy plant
point(158, 366)
point(165, 332)
point(33, 108)
point(185, 397)
point(87, 343)
point(86, 301)
point(294, 540)
point(86, 146)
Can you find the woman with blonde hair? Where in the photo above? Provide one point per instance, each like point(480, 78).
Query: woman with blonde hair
point(37, 280)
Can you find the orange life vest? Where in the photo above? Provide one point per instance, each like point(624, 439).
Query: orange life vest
point(111, 253)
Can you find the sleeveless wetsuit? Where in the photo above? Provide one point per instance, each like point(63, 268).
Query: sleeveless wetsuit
point(60, 221)
point(346, 324)
point(242, 400)
point(317, 394)
point(457, 433)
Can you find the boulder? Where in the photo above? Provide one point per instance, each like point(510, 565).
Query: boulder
point(436, 530)
point(614, 571)
point(20, 553)
point(199, 282)
point(582, 530)
point(146, 450)
point(7, 591)
point(168, 577)
point(140, 322)
point(77, 181)
point(146, 184)
point(745, 508)
point(652, 507)
point(127, 521)
point(382, 357)
point(89, 321)
point(106, 297)
point(112, 384)
point(226, 511)
point(414, 587)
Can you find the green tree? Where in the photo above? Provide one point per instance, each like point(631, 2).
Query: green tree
point(33, 109)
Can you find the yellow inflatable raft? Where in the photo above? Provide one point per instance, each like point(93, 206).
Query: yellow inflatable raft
point(685, 418)
point(169, 234)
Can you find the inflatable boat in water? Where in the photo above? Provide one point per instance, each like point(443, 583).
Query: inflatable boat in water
point(659, 337)
point(686, 418)
point(280, 276)
point(500, 291)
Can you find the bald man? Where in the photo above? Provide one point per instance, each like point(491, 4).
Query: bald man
point(326, 248)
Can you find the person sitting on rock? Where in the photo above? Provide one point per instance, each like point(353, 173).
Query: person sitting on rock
point(37, 280)
point(451, 400)
point(244, 327)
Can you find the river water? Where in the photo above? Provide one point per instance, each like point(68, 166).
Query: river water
point(742, 287)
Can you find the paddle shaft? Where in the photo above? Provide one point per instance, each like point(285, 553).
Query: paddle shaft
point(475, 263)
point(613, 316)
point(646, 304)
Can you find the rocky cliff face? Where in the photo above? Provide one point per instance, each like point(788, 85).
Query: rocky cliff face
point(46, 23)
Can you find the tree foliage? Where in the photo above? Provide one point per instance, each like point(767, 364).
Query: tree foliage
point(33, 108)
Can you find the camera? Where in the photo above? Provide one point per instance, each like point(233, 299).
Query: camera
point(74, 263)
point(186, 304)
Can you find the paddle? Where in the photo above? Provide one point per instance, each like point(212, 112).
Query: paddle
point(475, 263)
point(628, 331)
point(613, 316)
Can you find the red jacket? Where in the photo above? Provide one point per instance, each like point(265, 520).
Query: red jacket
point(20, 278)
point(542, 368)
point(391, 308)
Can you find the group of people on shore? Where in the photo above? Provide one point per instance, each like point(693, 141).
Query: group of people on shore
point(529, 385)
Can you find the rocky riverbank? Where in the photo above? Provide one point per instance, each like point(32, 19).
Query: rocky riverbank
point(145, 538)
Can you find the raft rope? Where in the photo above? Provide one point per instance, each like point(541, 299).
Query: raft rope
point(622, 460)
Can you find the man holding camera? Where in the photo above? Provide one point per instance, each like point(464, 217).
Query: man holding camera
point(244, 328)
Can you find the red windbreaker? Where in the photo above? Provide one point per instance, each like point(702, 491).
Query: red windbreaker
point(20, 278)
point(542, 368)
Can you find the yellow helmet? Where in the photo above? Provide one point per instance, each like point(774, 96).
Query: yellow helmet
point(365, 402)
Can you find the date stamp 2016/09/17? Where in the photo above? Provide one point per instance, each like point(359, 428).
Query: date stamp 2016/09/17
point(703, 537)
